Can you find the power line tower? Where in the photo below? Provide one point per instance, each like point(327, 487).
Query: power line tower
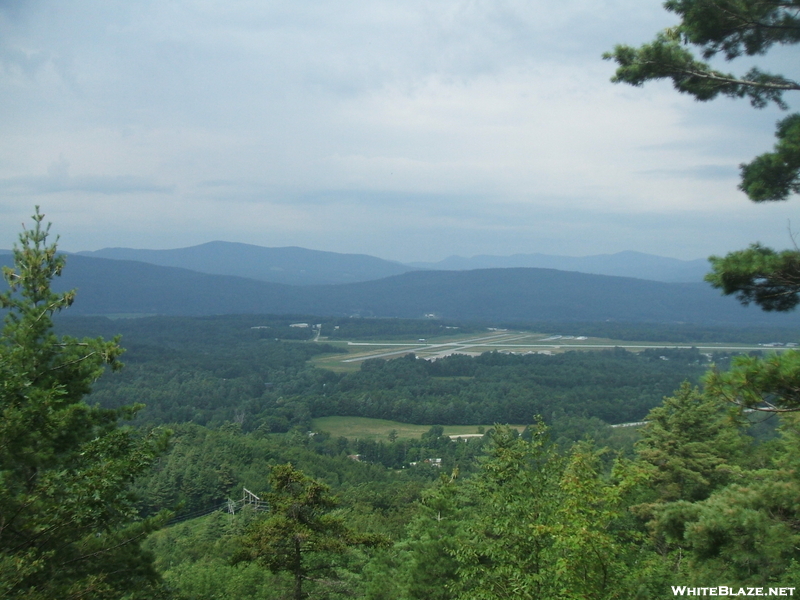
point(250, 499)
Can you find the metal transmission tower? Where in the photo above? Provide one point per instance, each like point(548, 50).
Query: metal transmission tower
point(250, 499)
point(230, 506)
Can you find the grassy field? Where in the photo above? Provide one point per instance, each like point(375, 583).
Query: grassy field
point(372, 429)
point(336, 362)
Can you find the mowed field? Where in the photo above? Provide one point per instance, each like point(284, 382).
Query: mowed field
point(378, 429)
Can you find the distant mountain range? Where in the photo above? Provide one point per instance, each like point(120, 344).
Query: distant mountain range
point(300, 266)
point(622, 264)
point(107, 287)
point(291, 265)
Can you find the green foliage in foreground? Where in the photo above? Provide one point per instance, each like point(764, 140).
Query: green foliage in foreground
point(759, 275)
point(733, 28)
point(68, 526)
point(300, 535)
point(697, 503)
point(194, 559)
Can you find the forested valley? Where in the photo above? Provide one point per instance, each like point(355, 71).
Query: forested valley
point(512, 509)
point(197, 471)
point(202, 468)
point(248, 370)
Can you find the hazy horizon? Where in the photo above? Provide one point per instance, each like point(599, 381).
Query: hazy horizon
point(401, 261)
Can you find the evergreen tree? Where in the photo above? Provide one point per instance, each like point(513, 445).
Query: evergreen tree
point(746, 532)
point(769, 384)
point(67, 519)
point(732, 29)
point(300, 536)
point(691, 448)
point(434, 540)
point(691, 444)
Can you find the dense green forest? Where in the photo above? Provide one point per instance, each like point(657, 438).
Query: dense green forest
point(226, 369)
point(194, 471)
point(615, 385)
point(699, 504)
point(239, 394)
point(221, 488)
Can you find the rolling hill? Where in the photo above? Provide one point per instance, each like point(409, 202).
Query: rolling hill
point(498, 295)
point(621, 264)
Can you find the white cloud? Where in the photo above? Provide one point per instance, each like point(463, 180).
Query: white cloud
point(59, 180)
point(363, 126)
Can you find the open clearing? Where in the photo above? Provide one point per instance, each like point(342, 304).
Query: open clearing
point(378, 429)
point(518, 342)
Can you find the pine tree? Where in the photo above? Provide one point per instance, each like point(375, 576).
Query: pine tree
point(300, 530)
point(67, 519)
point(691, 444)
point(733, 29)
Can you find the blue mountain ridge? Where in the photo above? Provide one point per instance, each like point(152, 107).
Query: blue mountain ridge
point(301, 266)
point(109, 287)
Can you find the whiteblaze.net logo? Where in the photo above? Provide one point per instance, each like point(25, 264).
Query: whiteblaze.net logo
point(722, 590)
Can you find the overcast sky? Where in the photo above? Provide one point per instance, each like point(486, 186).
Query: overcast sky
point(408, 130)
